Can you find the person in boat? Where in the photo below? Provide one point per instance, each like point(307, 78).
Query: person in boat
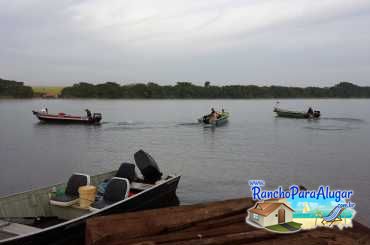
point(215, 113)
point(44, 110)
point(213, 116)
point(208, 118)
point(222, 112)
point(310, 111)
point(88, 113)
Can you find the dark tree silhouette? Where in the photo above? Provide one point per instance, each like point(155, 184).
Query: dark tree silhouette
point(14, 89)
point(189, 90)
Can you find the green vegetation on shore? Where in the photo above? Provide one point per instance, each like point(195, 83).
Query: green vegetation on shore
point(186, 90)
point(181, 90)
point(47, 90)
point(14, 89)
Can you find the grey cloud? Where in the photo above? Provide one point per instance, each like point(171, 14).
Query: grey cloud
point(44, 43)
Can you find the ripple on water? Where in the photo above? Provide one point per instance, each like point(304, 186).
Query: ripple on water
point(188, 124)
point(130, 125)
point(345, 119)
point(329, 128)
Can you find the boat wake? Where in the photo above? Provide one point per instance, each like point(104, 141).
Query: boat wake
point(188, 124)
point(329, 128)
point(129, 123)
point(337, 124)
point(344, 119)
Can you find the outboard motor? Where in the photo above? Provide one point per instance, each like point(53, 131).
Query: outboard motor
point(148, 167)
point(97, 117)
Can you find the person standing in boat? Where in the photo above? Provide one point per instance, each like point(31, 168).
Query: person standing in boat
point(213, 116)
point(310, 111)
point(221, 114)
point(88, 113)
point(44, 110)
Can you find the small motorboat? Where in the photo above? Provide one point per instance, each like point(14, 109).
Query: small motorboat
point(58, 214)
point(221, 119)
point(296, 114)
point(44, 116)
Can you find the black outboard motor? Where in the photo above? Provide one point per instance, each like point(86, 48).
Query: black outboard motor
point(148, 167)
point(97, 117)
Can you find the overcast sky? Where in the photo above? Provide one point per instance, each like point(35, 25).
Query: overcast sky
point(283, 42)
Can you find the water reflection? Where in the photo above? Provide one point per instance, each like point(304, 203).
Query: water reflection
point(216, 163)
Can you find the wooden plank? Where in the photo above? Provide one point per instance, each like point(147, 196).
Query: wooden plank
point(215, 223)
point(233, 238)
point(222, 222)
point(185, 235)
point(152, 222)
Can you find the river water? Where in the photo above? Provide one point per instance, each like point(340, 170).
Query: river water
point(214, 163)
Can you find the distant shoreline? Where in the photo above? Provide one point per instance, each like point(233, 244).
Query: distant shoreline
point(181, 90)
point(186, 90)
point(275, 99)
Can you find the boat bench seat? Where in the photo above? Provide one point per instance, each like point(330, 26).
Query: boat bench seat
point(71, 195)
point(117, 190)
point(64, 200)
point(16, 229)
point(140, 186)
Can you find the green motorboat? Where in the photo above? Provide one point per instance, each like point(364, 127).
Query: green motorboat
point(296, 114)
point(221, 119)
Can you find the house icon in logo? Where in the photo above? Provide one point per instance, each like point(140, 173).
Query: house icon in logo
point(271, 214)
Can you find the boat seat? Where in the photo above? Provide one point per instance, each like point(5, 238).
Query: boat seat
point(17, 229)
point(127, 171)
point(64, 200)
point(140, 186)
point(71, 195)
point(117, 190)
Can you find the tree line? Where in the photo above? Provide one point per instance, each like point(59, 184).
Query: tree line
point(14, 89)
point(187, 90)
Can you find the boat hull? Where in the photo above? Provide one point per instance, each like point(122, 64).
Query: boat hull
point(219, 122)
point(73, 231)
point(295, 114)
point(65, 119)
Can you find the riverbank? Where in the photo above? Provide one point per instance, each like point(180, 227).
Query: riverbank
point(220, 222)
